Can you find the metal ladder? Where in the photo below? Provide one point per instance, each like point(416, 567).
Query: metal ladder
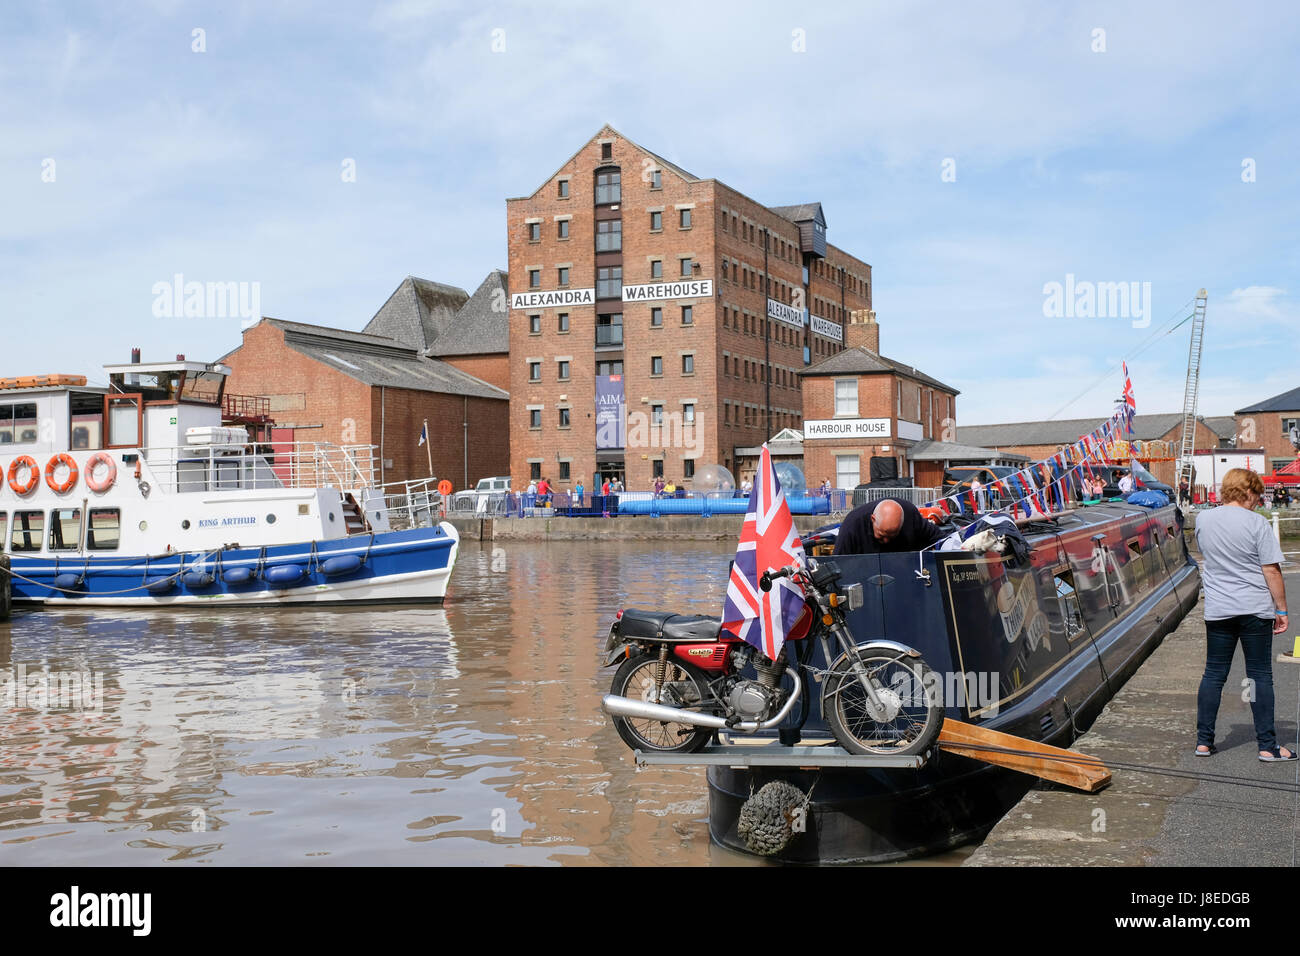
point(1188, 446)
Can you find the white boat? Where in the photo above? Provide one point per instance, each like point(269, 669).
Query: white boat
point(138, 494)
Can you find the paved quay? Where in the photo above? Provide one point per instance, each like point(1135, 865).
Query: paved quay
point(1149, 819)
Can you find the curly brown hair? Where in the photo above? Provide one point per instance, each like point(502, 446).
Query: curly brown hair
point(1239, 484)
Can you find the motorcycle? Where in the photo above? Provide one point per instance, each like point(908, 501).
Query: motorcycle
point(681, 677)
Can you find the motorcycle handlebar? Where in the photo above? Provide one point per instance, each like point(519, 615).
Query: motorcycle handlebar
point(765, 581)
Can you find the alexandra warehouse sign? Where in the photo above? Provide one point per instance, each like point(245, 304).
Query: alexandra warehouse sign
point(871, 428)
point(544, 300)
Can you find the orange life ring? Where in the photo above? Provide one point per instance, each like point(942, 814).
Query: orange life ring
point(33, 474)
point(107, 460)
point(444, 487)
point(62, 458)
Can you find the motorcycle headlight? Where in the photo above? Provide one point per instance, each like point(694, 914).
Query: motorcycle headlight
point(853, 593)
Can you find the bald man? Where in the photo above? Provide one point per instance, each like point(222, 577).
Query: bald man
point(886, 526)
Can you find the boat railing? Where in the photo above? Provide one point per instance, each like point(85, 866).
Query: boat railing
point(412, 504)
point(189, 468)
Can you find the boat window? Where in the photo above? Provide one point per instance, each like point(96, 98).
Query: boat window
point(87, 410)
point(17, 423)
point(65, 529)
point(28, 530)
point(202, 387)
point(104, 531)
point(4, 521)
point(1135, 548)
point(1069, 601)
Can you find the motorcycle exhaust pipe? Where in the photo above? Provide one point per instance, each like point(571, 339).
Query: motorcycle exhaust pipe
point(617, 706)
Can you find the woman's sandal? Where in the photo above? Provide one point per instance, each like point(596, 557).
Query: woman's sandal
point(1276, 754)
point(1208, 753)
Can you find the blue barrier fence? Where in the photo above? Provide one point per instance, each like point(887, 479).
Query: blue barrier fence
point(646, 503)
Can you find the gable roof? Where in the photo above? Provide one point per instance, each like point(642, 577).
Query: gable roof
point(1065, 431)
point(482, 325)
point(375, 360)
point(863, 361)
point(1225, 426)
point(417, 312)
point(801, 212)
point(1286, 402)
point(604, 132)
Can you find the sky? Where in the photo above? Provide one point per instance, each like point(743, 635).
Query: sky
point(973, 154)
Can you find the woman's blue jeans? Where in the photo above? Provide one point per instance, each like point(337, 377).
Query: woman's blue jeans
point(1221, 637)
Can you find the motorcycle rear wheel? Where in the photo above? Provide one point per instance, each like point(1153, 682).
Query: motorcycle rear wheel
point(684, 687)
point(913, 711)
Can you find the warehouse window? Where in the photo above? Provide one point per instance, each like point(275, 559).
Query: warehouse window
point(656, 317)
point(563, 189)
point(656, 221)
point(685, 219)
point(534, 232)
point(609, 235)
point(688, 315)
point(563, 227)
point(609, 187)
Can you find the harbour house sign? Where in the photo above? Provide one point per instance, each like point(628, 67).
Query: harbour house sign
point(847, 428)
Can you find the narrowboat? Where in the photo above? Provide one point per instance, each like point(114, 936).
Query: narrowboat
point(1033, 647)
point(143, 493)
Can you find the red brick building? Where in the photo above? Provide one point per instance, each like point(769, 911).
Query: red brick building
point(1269, 424)
point(868, 417)
point(659, 320)
point(364, 388)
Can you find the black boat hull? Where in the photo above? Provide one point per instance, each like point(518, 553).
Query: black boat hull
point(1131, 581)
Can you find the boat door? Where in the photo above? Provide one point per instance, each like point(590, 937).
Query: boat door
point(124, 420)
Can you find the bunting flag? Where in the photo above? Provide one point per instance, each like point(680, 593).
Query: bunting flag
point(1044, 486)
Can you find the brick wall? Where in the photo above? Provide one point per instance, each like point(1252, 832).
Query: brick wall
point(1264, 430)
point(324, 405)
point(493, 369)
point(403, 412)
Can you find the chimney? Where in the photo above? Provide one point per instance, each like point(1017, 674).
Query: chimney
point(135, 356)
point(180, 357)
point(862, 331)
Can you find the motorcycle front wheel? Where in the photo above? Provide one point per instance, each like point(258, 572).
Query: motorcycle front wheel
point(683, 687)
point(910, 712)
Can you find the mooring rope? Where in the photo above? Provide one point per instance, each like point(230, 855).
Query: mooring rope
point(1097, 763)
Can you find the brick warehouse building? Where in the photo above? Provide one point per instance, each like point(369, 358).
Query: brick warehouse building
point(659, 320)
point(420, 357)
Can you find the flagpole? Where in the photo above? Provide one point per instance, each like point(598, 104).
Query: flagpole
point(428, 446)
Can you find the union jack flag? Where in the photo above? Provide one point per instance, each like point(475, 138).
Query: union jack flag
point(1130, 403)
point(768, 541)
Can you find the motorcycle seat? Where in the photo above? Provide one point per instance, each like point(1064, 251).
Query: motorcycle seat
point(666, 626)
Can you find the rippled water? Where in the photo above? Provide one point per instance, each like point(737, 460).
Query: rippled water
point(469, 734)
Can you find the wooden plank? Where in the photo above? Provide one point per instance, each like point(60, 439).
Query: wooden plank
point(1051, 763)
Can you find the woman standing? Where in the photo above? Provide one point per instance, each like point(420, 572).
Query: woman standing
point(1245, 601)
